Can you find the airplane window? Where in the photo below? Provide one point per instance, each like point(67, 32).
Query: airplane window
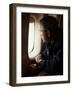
point(31, 35)
point(33, 38)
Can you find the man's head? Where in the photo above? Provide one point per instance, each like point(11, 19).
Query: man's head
point(45, 35)
point(48, 27)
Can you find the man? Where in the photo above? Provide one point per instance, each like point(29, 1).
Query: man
point(50, 59)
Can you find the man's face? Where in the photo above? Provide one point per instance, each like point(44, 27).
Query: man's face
point(45, 35)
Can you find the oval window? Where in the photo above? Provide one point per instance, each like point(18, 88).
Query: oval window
point(31, 34)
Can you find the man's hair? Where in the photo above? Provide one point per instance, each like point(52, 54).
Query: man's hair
point(49, 22)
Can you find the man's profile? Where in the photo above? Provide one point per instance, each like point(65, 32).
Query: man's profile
point(50, 58)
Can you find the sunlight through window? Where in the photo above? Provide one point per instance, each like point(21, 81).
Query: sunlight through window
point(31, 35)
point(34, 40)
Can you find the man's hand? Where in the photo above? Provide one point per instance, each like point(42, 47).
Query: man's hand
point(38, 58)
point(33, 66)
